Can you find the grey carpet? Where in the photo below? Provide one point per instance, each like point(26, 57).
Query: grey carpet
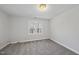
point(41, 47)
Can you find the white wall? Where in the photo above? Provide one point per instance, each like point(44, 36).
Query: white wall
point(65, 29)
point(3, 29)
point(19, 29)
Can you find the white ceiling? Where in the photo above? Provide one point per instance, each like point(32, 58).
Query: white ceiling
point(32, 11)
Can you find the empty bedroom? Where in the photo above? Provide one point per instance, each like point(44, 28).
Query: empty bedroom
point(39, 29)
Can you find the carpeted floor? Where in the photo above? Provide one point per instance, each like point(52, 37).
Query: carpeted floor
point(41, 47)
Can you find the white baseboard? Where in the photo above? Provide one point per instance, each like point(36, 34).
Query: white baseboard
point(19, 42)
point(25, 41)
point(43, 39)
point(66, 46)
point(4, 46)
